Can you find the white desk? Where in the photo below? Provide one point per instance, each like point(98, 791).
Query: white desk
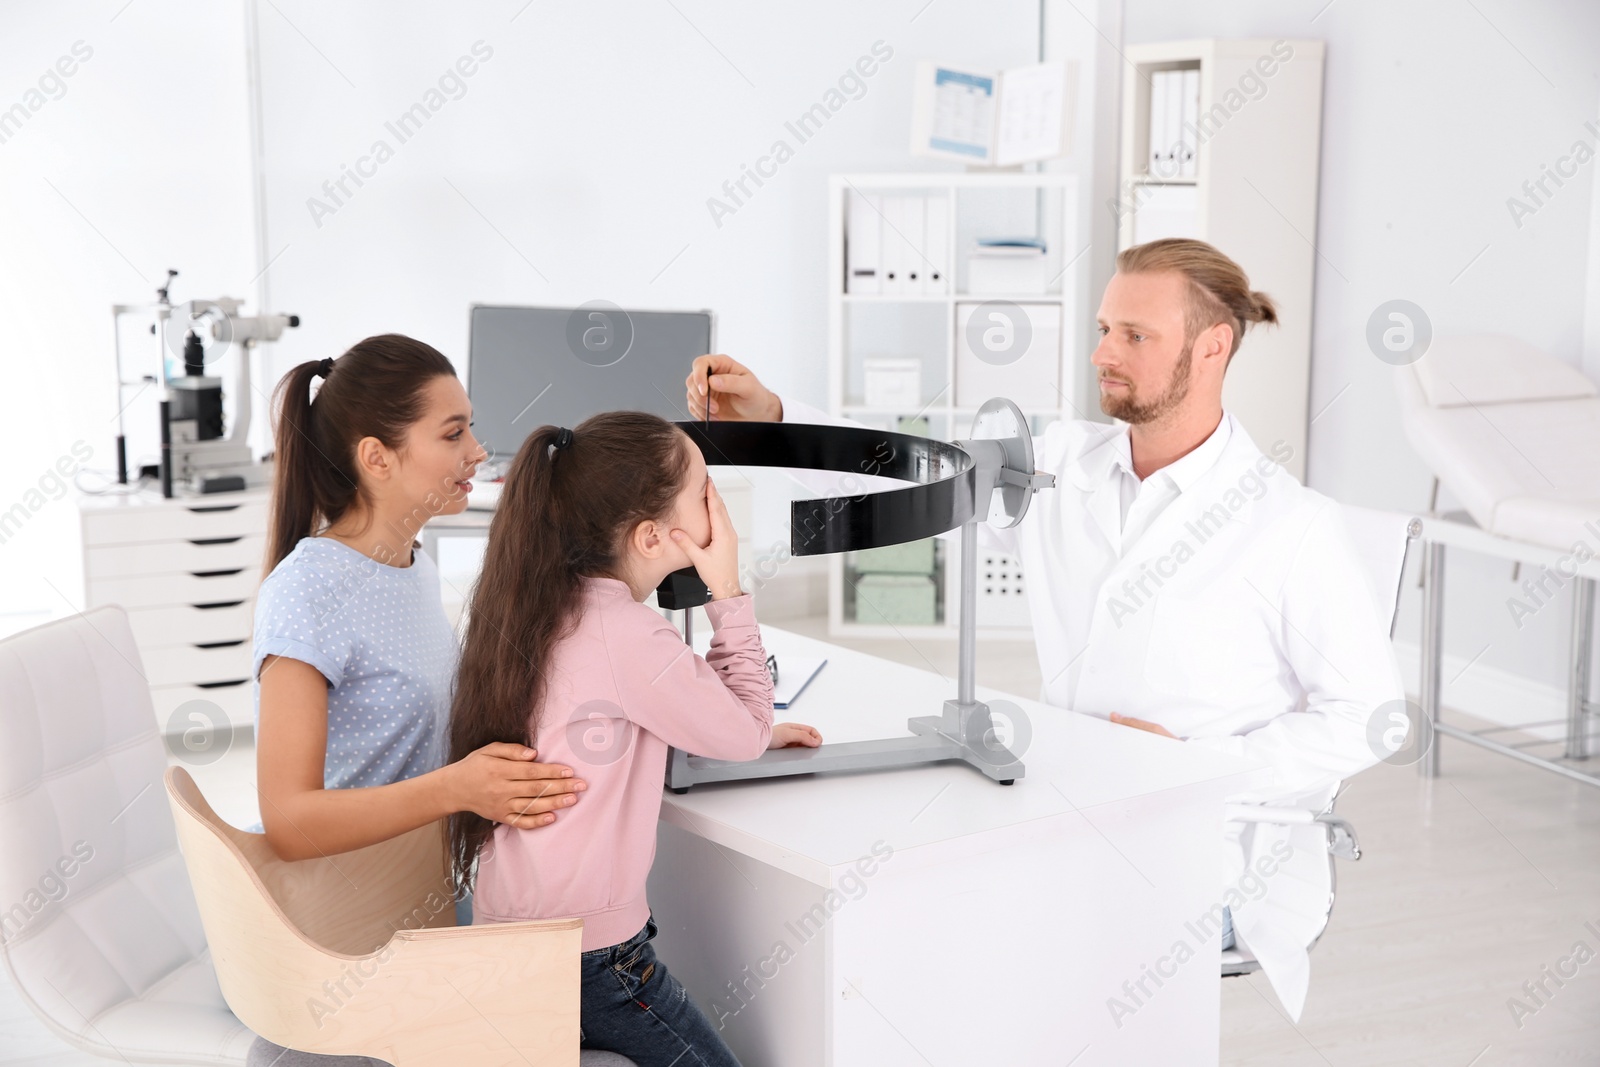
point(1001, 924)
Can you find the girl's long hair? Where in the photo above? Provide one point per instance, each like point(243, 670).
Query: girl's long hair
point(564, 514)
point(373, 390)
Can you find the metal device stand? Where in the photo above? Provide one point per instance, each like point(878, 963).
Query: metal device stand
point(1005, 482)
point(188, 459)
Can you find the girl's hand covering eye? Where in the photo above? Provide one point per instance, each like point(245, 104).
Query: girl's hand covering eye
point(718, 562)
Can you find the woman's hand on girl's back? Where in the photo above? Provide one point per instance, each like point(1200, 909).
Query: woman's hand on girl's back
point(502, 783)
point(792, 734)
point(718, 562)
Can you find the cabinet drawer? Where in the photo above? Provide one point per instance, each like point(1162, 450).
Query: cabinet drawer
point(165, 590)
point(184, 664)
point(199, 556)
point(187, 624)
point(173, 521)
point(233, 703)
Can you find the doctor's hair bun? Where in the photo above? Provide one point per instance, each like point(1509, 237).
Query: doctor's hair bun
point(1262, 309)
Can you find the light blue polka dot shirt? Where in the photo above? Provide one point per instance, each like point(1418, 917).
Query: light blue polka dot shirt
point(380, 637)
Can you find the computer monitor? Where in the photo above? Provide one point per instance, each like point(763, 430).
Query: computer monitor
point(528, 366)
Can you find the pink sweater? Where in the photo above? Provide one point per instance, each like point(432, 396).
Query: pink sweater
point(621, 689)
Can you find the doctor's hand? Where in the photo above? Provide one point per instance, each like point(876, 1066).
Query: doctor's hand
point(502, 783)
point(794, 734)
point(736, 394)
point(1140, 724)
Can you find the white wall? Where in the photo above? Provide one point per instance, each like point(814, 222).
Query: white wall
point(1591, 313)
point(136, 162)
point(1434, 114)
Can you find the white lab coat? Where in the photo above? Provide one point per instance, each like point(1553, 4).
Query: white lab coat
point(1241, 620)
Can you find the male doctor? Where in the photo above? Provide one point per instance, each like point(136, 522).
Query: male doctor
point(1182, 582)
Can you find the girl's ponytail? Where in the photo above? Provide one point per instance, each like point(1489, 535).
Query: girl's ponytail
point(528, 562)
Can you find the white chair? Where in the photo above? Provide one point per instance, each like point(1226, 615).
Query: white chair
point(100, 933)
point(1383, 541)
point(367, 940)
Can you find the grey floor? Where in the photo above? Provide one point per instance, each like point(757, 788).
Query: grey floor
point(1470, 886)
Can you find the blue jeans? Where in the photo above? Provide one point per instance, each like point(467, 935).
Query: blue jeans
point(633, 1006)
point(1228, 940)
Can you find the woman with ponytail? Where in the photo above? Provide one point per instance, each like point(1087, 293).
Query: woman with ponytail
point(562, 653)
point(355, 660)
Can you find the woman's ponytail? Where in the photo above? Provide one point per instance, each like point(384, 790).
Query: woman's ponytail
point(295, 498)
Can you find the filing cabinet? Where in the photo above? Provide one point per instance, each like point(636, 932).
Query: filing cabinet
point(187, 571)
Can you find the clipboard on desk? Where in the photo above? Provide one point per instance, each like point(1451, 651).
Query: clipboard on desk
point(790, 678)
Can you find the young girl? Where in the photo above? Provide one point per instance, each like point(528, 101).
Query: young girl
point(560, 653)
point(354, 656)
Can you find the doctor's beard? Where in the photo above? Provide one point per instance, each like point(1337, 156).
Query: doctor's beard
point(1130, 409)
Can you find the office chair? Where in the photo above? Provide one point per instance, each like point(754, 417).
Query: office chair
point(100, 935)
point(1383, 541)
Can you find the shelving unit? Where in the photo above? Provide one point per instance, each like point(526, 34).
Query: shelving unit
point(924, 327)
point(1254, 196)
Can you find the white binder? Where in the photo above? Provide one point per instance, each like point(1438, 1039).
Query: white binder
point(1189, 166)
point(915, 208)
point(1173, 144)
point(1155, 159)
point(936, 246)
point(864, 244)
point(892, 269)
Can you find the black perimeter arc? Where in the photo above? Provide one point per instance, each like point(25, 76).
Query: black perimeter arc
point(941, 498)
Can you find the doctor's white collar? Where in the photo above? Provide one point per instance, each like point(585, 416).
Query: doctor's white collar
point(1114, 454)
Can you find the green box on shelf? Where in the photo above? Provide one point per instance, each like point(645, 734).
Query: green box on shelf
point(898, 599)
point(913, 557)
